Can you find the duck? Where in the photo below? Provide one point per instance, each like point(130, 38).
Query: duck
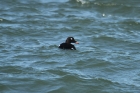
point(67, 44)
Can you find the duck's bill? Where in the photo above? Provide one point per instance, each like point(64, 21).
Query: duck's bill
point(77, 42)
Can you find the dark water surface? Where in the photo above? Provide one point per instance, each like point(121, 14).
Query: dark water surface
point(107, 60)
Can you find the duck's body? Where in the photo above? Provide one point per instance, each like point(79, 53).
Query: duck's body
point(68, 45)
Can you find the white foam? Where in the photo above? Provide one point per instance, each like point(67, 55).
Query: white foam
point(82, 1)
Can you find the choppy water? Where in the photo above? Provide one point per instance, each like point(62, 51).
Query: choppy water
point(107, 60)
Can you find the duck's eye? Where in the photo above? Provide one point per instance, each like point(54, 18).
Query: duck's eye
point(71, 38)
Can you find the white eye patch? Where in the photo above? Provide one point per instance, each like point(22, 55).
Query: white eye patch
point(71, 38)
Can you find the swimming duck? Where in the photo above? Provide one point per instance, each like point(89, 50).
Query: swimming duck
point(67, 44)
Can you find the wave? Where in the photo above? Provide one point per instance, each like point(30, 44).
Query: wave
point(107, 2)
point(10, 31)
point(109, 40)
point(109, 7)
point(6, 21)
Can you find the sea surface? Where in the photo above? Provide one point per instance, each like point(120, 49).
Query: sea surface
point(107, 59)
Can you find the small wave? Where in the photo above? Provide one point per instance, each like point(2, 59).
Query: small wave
point(1, 19)
point(10, 69)
point(57, 72)
point(24, 9)
point(17, 32)
point(100, 79)
point(92, 62)
point(128, 78)
point(67, 74)
point(56, 89)
point(118, 38)
point(105, 38)
point(4, 21)
point(131, 22)
point(4, 87)
point(82, 1)
point(71, 78)
point(135, 44)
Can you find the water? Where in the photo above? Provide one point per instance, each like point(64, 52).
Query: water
point(106, 60)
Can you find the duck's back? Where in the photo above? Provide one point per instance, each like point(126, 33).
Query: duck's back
point(67, 46)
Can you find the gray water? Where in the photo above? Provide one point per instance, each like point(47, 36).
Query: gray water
point(107, 60)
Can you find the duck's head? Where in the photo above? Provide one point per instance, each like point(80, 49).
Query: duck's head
point(71, 40)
